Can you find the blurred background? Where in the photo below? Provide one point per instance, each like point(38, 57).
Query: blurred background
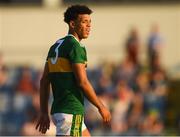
point(133, 63)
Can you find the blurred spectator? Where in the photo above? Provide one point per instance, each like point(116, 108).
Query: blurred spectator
point(155, 45)
point(136, 111)
point(151, 124)
point(104, 85)
point(127, 71)
point(101, 78)
point(3, 71)
point(121, 107)
point(6, 97)
point(159, 89)
point(132, 46)
point(26, 85)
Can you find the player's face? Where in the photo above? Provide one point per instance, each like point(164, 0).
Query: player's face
point(83, 26)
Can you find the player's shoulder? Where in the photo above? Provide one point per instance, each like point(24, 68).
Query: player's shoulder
point(57, 42)
point(71, 40)
point(53, 46)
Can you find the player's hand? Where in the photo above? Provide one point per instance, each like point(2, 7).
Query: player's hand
point(106, 115)
point(43, 123)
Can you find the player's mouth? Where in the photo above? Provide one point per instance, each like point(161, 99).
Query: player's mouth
point(88, 31)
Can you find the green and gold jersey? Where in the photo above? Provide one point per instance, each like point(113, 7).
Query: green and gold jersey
point(68, 97)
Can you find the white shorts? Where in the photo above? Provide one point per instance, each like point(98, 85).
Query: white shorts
point(68, 124)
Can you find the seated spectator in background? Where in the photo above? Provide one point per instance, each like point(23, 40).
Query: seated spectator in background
point(159, 91)
point(151, 124)
point(120, 109)
point(127, 71)
point(3, 72)
point(26, 85)
point(136, 111)
point(5, 100)
point(6, 95)
point(104, 85)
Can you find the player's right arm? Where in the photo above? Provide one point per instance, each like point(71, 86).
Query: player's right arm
point(82, 80)
point(44, 122)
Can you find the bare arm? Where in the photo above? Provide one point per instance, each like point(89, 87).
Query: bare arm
point(44, 122)
point(44, 90)
point(83, 82)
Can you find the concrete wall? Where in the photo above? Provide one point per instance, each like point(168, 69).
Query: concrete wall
point(27, 33)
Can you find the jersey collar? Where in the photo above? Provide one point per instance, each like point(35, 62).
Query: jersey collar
point(74, 37)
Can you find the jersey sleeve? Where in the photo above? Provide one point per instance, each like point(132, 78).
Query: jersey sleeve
point(77, 54)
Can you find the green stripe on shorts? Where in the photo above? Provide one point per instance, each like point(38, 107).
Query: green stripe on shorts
point(76, 128)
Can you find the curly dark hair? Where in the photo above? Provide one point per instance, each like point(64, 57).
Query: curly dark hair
point(73, 11)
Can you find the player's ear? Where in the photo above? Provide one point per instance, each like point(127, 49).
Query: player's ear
point(72, 24)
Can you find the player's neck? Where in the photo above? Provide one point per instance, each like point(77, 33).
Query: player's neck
point(75, 35)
